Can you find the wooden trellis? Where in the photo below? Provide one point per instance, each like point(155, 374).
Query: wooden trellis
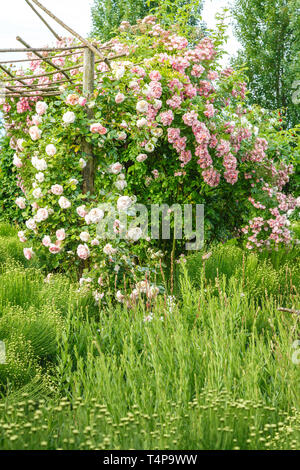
point(14, 86)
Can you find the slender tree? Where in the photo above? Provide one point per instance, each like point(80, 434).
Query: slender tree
point(269, 32)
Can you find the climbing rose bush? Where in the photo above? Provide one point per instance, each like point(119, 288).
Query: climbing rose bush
point(166, 124)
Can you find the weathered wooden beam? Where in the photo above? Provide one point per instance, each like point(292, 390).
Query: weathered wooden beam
point(47, 61)
point(47, 74)
point(43, 49)
point(70, 30)
point(35, 60)
point(37, 94)
point(56, 83)
point(44, 21)
point(11, 75)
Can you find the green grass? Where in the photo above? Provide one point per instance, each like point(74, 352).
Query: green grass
point(213, 371)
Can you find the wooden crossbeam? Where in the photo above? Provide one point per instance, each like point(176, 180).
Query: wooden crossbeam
point(31, 96)
point(70, 30)
point(36, 60)
point(47, 61)
point(43, 49)
point(11, 75)
point(47, 74)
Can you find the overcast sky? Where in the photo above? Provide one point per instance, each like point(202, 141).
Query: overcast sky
point(17, 18)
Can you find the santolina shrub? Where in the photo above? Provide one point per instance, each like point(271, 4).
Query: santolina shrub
point(168, 125)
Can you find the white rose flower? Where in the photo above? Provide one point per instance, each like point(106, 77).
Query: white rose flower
point(37, 193)
point(84, 236)
point(82, 163)
point(41, 215)
point(124, 202)
point(40, 177)
point(30, 224)
point(149, 147)
point(64, 202)
point(50, 150)
point(121, 184)
point(141, 122)
point(109, 250)
point(119, 296)
point(142, 106)
point(95, 215)
point(39, 163)
point(134, 234)
point(69, 117)
point(157, 132)
point(119, 72)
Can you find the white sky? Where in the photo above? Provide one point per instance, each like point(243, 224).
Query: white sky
point(211, 7)
point(17, 18)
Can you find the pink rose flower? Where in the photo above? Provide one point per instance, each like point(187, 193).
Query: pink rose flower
point(72, 99)
point(83, 252)
point(54, 249)
point(115, 168)
point(119, 98)
point(46, 241)
point(95, 215)
point(35, 133)
point(97, 128)
point(17, 161)
point(141, 157)
point(21, 202)
point(57, 189)
point(50, 150)
point(155, 75)
point(22, 237)
point(41, 108)
point(41, 215)
point(109, 250)
point(82, 101)
point(61, 234)
point(81, 211)
point(64, 203)
point(28, 253)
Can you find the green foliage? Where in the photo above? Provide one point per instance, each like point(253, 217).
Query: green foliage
point(9, 190)
point(107, 14)
point(269, 34)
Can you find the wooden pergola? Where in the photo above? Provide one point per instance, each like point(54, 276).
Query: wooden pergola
point(14, 86)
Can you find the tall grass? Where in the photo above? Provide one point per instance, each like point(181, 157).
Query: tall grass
point(209, 369)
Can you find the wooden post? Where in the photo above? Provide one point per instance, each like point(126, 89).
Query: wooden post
point(88, 172)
